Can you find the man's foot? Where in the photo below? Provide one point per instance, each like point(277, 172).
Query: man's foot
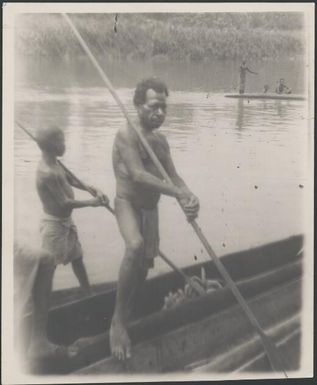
point(120, 343)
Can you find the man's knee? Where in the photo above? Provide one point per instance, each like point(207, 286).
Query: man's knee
point(135, 247)
point(31, 255)
point(46, 259)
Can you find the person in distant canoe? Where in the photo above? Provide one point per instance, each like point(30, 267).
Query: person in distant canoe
point(139, 186)
point(243, 72)
point(58, 233)
point(282, 88)
point(266, 88)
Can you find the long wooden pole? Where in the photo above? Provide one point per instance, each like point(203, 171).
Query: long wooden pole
point(271, 350)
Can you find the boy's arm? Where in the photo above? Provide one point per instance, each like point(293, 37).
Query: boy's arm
point(51, 184)
point(85, 187)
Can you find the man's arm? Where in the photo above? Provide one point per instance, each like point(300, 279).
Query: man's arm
point(288, 89)
point(127, 143)
point(171, 169)
point(50, 183)
point(251, 72)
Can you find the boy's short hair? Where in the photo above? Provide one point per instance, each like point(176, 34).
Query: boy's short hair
point(147, 84)
point(45, 136)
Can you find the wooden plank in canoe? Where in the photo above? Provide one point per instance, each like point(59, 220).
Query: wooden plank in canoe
point(240, 357)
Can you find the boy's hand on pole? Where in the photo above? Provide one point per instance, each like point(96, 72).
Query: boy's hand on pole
point(96, 202)
point(99, 194)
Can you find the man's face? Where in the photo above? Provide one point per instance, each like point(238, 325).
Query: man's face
point(152, 113)
point(58, 144)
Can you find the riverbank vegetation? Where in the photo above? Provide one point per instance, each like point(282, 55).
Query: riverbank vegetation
point(199, 36)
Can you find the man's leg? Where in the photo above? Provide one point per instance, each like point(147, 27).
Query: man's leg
point(42, 288)
point(81, 274)
point(129, 279)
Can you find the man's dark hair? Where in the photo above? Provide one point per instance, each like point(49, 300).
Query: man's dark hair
point(147, 84)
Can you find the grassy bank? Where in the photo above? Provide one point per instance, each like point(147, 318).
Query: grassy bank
point(163, 36)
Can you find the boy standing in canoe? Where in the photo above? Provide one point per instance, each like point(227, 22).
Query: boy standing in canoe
point(139, 186)
point(58, 232)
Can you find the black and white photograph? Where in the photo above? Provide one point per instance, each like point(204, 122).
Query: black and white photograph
point(158, 175)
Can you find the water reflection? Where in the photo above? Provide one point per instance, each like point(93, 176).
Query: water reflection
point(264, 113)
point(181, 115)
point(281, 108)
point(240, 114)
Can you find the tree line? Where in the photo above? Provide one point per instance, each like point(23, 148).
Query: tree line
point(199, 36)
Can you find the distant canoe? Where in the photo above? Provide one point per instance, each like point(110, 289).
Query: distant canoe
point(266, 96)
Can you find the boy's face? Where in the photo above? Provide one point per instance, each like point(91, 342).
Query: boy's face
point(58, 144)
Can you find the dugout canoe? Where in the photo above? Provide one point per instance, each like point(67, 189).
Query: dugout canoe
point(266, 96)
point(209, 333)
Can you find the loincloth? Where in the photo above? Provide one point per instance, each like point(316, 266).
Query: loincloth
point(148, 220)
point(60, 239)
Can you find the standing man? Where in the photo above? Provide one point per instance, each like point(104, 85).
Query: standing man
point(60, 244)
point(243, 72)
point(139, 186)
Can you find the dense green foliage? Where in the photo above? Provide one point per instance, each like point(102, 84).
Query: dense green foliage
point(199, 36)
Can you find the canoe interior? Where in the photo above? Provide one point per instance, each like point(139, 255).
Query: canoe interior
point(266, 96)
point(64, 296)
point(90, 316)
point(224, 337)
point(258, 270)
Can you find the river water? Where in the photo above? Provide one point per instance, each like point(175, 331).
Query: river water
point(245, 160)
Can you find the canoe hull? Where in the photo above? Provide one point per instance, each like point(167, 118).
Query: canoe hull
point(266, 96)
point(84, 324)
point(217, 337)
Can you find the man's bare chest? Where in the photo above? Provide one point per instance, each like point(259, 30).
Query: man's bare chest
point(158, 147)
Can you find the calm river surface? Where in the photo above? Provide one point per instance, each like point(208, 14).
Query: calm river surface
point(245, 160)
